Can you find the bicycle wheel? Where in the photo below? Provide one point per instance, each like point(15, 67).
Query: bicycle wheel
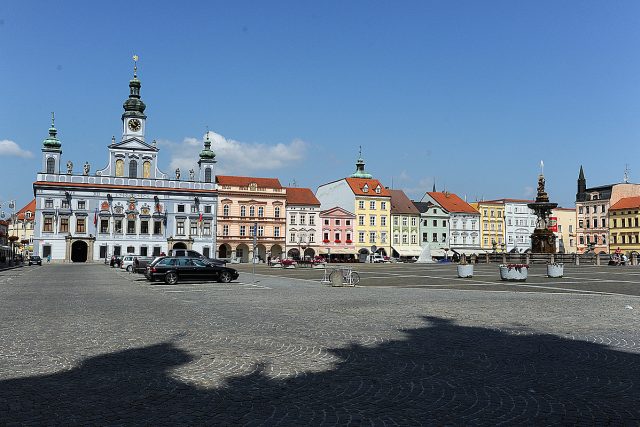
point(355, 278)
point(336, 278)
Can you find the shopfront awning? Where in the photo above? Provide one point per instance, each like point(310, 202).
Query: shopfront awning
point(469, 252)
point(338, 251)
point(439, 253)
point(408, 251)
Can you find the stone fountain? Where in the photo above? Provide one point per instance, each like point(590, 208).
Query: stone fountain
point(542, 240)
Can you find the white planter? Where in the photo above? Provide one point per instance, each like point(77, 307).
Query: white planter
point(465, 270)
point(513, 274)
point(555, 270)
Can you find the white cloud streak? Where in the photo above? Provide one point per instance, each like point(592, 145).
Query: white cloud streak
point(10, 148)
point(235, 157)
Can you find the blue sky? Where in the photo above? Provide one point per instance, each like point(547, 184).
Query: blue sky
point(473, 94)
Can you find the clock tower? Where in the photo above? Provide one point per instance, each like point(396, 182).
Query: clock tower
point(133, 118)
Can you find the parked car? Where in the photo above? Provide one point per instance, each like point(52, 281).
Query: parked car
point(196, 254)
point(127, 262)
point(173, 269)
point(35, 259)
point(141, 265)
point(116, 260)
point(377, 258)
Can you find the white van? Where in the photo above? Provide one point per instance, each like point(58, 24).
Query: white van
point(375, 258)
point(127, 262)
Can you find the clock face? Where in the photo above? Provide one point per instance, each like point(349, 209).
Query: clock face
point(134, 125)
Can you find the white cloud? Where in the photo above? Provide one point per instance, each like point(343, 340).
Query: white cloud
point(10, 148)
point(235, 157)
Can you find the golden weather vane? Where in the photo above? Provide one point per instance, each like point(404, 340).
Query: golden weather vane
point(135, 65)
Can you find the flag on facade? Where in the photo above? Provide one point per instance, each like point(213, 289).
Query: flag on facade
point(200, 217)
point(95, 218)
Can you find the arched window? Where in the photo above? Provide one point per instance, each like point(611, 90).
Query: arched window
point(252, 211)
point(243, 211)
point(51, 165)
point(119, 167)
point(260, 211)
point(146, 169)
point(133, 169)
point(207, 175)
point(277, 211)
point(225, 210)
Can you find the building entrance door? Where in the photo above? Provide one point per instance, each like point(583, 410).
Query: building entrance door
point(79, 251)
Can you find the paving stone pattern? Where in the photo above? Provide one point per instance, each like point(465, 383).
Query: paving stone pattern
point(90, 345)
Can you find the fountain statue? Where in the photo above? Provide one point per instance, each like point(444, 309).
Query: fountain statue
point(542, 240)
point(425, 256)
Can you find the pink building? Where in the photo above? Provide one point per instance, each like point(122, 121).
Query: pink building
point(337, 234)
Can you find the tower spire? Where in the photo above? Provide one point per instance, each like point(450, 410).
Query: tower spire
point(360, 173)
point(135, 66)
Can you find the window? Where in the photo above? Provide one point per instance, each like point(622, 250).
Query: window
point(372, 220)
point(206, 228)
point(48, 203)
point(383, 237)
point(157, 227)
point(360, 219)
point(604, 222)
point(337, 236)
point(586, 209)
point(326, 236)
point(225, 210)
point(260, 211)
point(260, 230)
point(143, 250)
point(405, 239)
point(405, 221)
point(180, 208)
point(276, 211)
point(64, 225)
point(193, 228)
point(252, 211)
point(361, 204)
point(104, 226)
point(595, 222)
point(133, 169)
point(604, 239)
point(292, 237)
point(485, 225)
point(361, 236)
point(225, 230)
point(571, 243)
point(378, 189)
point(131, 227)
point(348, 237)
point(180, 228)
point(47, 227)
point(302, 219)
point(434, 236)
point(383, 205)
point(486, 241)
point(581, 240)
point(444, 237)
point(326, 222)
point(580, 209)
point(396, 239)
point(131, 250)
point(243, 230)
point(119, 167)
point(365, 189)
point(372, 237)
point(347, 222)
point(276, 231)
point(64, 204)
point(81, 225)
point(194, 208)
point(207, 175)
point(337, 222)
point(312, 219)
point(207, 209)
point(144, 227)
point(414, 221)
point(602, 208)
point(372, 205)
point(292, 219)
point(444, 222)
point(383, 221)
point(395, 220)
point(243, 211)
point(118, 226)
point(51, 165)
point(580, 224)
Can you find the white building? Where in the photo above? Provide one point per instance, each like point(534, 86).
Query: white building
point(464, 221)
point(303, 223)
point(520, 221)
point(129, 206)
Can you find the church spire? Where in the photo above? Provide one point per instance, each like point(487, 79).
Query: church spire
point(360, 173)
point(52, 140)
point(582, 187)
point(207, 153)
point(133, 106)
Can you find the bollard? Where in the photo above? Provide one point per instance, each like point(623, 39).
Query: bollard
point(552, 259)
point(504, 258)
point(486, 258)
point(527, 259)
point(473, 258)
point(577, 259)
point(634, 258)
point(597, 259)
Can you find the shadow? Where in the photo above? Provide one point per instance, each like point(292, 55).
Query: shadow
point(439, 374)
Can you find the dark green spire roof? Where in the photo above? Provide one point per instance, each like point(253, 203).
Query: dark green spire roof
point(52, 140)
point(207, 154)
point(133, 106)
point(360, 173)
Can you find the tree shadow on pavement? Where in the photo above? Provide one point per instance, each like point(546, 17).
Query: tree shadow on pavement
point(438, 374)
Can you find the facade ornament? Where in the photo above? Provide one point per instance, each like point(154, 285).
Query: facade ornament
point(178, 174)
point(192, 174)
point(86, 168)
point(69, 167)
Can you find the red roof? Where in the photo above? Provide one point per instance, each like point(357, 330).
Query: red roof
point(400, 203)
point(358, 184)
point(31, 206)
point(301, 196)
point(452, 203)
point(626, 203)
point(244, 181)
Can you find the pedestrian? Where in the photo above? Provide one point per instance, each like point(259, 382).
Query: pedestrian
point(136, 265)
point(48, 258)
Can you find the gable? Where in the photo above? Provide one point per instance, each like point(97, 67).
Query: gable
point(133, 144)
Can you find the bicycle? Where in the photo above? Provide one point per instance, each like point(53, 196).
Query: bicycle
point(344, 276)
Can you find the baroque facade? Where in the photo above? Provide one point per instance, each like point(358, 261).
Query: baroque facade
point(128, 206)
point(303, 227)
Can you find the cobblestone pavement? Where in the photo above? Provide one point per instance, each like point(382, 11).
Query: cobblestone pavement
point(86, 344)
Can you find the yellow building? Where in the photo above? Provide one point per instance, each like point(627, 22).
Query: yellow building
point(371, 203)
point(566, 229)
point(22, 226)
point(491, 224)
point(624, 225)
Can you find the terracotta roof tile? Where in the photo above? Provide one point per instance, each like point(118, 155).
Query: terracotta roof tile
point(244, 181)
point(626, 203)
point(452, 203)
point(31, 206)
point(357, 185)
point(301, 196)
point(400, 203)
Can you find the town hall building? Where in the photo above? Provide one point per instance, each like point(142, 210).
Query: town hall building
point(128, 206)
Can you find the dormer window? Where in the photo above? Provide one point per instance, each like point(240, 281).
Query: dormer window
point(365, 189)
point(378, 189)
point(28, 214)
